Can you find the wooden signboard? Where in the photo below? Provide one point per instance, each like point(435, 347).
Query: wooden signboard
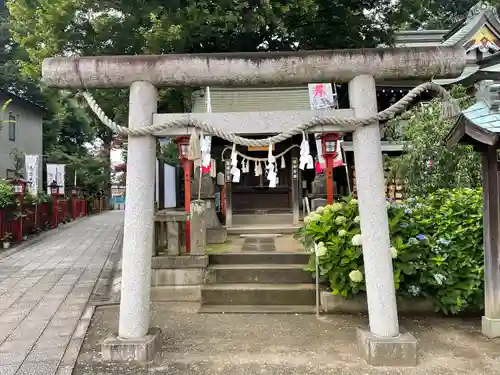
point(259, 148)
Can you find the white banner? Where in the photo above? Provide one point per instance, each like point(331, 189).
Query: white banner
point(31, 166)
point(206, 142)
point(55, 172)
point(321, 97)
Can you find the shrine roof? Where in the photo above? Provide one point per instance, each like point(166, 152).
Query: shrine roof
point(480, 123)
point(479, 29)
point(419, 38)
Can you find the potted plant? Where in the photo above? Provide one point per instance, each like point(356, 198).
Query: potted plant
point(6, 240)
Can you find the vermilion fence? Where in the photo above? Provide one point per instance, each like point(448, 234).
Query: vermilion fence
point(37, 218)
point(44, 216)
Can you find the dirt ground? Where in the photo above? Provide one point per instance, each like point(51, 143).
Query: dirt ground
point(255, 344)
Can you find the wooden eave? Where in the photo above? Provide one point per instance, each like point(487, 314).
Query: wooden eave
point(465, 131)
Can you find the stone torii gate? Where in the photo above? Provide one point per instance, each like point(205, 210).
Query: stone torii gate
point(382, 344)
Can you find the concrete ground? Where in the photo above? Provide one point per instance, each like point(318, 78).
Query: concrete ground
point(44, 293)
point(254, 344)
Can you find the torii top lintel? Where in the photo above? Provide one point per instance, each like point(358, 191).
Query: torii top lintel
point(254, 69)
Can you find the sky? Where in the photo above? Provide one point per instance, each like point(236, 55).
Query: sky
point(116, 156)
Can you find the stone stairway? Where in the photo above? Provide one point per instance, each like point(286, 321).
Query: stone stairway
point(258, 279)
point(263, 224)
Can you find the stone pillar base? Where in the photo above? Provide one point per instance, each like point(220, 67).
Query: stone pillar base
point(216, 235)
point(144, 349)
point(387, 351)
point(318, 202)
point(490, 327)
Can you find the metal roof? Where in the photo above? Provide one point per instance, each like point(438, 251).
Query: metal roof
point(482, 116)
point(419, 38)
point(480, 123)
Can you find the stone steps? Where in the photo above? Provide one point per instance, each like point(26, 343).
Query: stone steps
point(278, 258)
point(258, 294)
point(176, 293)
point(258, 282)
point(270, 229)
point(257, 309)
point(263, 219)
point(257, 273)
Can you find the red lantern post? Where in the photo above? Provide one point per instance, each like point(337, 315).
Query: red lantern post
point(329, 146)
point(19, 187)
point(74, 203)
point(54, 192)
point(183, 149)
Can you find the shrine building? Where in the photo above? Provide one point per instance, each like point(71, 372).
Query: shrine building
point(253, 202)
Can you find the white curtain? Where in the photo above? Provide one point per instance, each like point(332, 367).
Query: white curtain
point(55, 172)
point(31, 166)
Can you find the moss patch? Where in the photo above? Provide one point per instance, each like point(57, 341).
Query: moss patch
point(218, 247)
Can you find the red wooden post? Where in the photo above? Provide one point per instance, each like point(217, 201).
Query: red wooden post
point(183, 147)
point(187, 201)
point(74, 202)
point(54, 192)
point(19, 186)
point(329, 148)
point(2, 222)
point(84, 202)
point(54, 211)
point(329, 178)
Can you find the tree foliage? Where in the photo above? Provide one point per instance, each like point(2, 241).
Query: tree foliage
point(428, 164)
point(433, 14)
point(45, 28)
point(66, 27)
point(66, 124)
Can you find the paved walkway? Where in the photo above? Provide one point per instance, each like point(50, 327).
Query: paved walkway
point(44, 290)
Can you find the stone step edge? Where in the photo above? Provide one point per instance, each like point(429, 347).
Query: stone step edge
point(257, 309)
point(258, 287)
point(284, 253)
point(253, 267)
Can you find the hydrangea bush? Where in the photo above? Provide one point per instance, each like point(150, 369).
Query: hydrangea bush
point(436, 248)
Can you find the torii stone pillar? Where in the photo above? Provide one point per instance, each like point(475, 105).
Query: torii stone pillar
point(383, 344)
point(135, 340)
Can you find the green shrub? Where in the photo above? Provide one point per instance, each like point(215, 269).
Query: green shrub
point(436, 246)
point(6, 195)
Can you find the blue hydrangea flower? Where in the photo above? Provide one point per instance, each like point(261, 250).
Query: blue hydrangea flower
point(442, 241)
point(408, 211)
point(403, 225)
point(420, 237)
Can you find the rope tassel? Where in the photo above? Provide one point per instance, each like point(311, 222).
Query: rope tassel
point(305, 153)
point(194, 149)
point(234, 156)
point(270, 157)
point(235, 171)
